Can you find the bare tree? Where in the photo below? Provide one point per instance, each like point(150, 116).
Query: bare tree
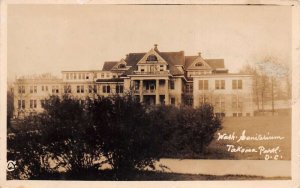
point(268, 73)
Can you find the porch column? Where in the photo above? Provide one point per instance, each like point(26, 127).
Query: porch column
point(167, 96)
point(156, 92)
point(141, 91)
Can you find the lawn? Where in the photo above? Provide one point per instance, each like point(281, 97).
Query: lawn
point(279, 125)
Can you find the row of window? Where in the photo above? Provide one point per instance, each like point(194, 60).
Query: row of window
point(93, 89)
point(107, 75)
point(220, 84)
point(77, 76)
point(33, 103)
point(67, 89)
point(22, 105)
point(203, 85)
point(33, 89)
point(152, 68)
point(219, 101)
point(106, 89)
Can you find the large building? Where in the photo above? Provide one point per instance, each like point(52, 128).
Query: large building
point(153, 77)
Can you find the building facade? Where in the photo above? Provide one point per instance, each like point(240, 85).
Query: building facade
point(154, 78)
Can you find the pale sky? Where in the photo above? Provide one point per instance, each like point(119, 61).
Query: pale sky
point(52, 38)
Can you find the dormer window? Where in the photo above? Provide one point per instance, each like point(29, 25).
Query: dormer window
point(151, 58)
point(122, 66)
point(199, 64)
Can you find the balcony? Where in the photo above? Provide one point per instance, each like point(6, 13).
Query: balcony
point(152, 73)
point(149, 91)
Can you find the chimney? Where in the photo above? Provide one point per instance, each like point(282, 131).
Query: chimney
point(155, 47)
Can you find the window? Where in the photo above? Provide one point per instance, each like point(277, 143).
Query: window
point(102, 75)
point(91, 89)
point(221, 115)
point(67, 89)
point(220, 103)
point(199, 64)
point(189, 88)
point(33, 104)
point(42, 103)
point(161, 68)
point(204, 99)
point(43, 88)
point(75, 76)
point(55, 89)
point(33, 89)
point(203, 84)
point(142, 70)
point(87, 76)
point(46, 88)
point(122, 66)
point(107, 75)
point(151, 58)
point(189, 101)
point(71, 76)
point(79, 76)
point(220, 84)
point(119, 88)
point(237, 102)
point(80, 89)
point(21, 89)
point(237, 84)
point(21, 104)
point(172, 84)
point(173, 100)
point(106, 89)
point(67, 76)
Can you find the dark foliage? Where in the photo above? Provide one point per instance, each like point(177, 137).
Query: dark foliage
point(74, 139)
point(186, 131)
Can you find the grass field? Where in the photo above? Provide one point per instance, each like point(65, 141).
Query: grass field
point(274, 125)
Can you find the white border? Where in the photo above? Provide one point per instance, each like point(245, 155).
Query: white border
point(224, 184)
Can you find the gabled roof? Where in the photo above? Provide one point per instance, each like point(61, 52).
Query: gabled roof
point(172, 58)
point(108, 65)
point(214, 63)
point(189, 60)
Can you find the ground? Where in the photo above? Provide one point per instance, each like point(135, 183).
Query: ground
point(156, 176)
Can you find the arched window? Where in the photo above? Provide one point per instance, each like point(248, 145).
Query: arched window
point(151, 58)
point(199, 64)
point(121, 66)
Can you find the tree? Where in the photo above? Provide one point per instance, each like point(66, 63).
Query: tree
point(130, 141)
point(268, 74)
point(60, 138)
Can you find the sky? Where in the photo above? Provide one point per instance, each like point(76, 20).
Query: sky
point(52, 38)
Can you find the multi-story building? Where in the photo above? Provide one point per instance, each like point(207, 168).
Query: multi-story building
point(153, 77)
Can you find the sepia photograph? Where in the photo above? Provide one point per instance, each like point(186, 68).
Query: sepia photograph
point(149, 92)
